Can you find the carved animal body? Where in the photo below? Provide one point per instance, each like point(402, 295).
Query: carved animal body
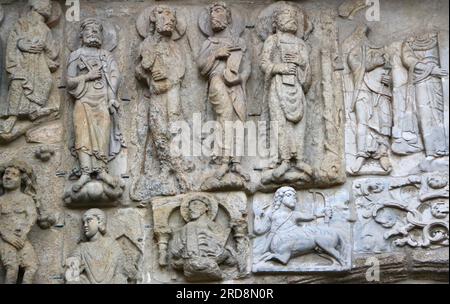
point(299, 240)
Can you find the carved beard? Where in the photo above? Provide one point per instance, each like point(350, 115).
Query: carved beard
point(93, 41)
point(218, 25)
point(166, 29)
point(288, 27)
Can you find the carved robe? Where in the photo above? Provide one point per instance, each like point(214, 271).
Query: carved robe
point(101, 262)
point(421, 56)
point(96, 123)
point(227, 78)
point(371, 102)
point(286, 93)
point(165, 104)
point(405, 129)
point(199, 248)
point(30, 74)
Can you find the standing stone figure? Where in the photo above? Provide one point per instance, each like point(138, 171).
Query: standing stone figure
point(98, 260)
point(285, 237)
point(225, 61)
point(286, 65)
point(421, 57)
point(31, 55)
point(405, 127)
point(162, 67)
point(199, 247)
point(18, 214)
point(93, 79)
point(372, 105)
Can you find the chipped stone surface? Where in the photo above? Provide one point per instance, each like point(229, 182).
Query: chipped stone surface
point(346, 152)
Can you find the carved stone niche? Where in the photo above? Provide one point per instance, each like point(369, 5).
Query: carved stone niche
point(410, 211)
point(309, 231)
point(110, 249)
point(203, 236)
point(303, 95)
point(31, 56)
point(95, 137)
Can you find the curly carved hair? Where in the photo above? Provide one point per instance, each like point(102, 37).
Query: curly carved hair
point(279, 195)
point(224, 6)
point(28, 179)
point(159, 8)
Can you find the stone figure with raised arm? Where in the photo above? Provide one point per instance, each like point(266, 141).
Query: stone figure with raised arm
point(285, 237)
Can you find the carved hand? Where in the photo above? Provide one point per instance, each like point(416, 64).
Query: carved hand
point(223, 53)
point(158, 75)
point(285, 69)
point(14, 240)
point(114, 104)
point(30, 47)
point(439, 72)
point(94, 75)
point(386, 79)
point(293, 58)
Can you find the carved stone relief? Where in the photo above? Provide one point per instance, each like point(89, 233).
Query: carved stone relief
point(410, 211)
point(224, 61)
point(309, 231)
point(31, 58)
point(162, 68)
point(112, 112)
point(19, 212)
point(301, 87)
point(202, 236)
point(93, 80)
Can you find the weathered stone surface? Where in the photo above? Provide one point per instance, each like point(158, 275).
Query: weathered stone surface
point(133, 118)
point(201, 235)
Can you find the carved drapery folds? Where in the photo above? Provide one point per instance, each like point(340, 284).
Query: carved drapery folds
point(222, 142)
point(302, 92)
point(31, 58)
point(162, 67)
point(93, 81)
point(210, 240)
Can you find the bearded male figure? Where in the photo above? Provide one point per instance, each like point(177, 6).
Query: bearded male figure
point(163, 66)
point(285, 63)
point(224, 60)
point(93, 79)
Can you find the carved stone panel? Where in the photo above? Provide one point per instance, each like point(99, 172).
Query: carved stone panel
point(410, 211)
point(31, 59)
point(302, 232)
point(236, 141)
point(202, 236)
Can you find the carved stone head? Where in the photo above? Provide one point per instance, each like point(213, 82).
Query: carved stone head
point(163, 20)
point(220, 16)
point(286, 196)
point(17, 174)
point(197, 208)
point(43, 7)
point(94, 222)
point(91, 32)
point(286, 20)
